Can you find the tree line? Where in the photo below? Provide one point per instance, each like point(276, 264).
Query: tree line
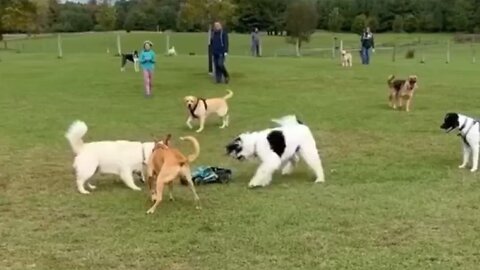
point(273, 16)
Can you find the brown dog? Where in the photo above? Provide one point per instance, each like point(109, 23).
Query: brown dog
point(167, 164)
point(401, 90)
point(200, 108)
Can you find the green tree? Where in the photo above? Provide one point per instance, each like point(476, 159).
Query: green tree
point(463, 15)
point(372, 22)
point(301, 22)
point(410, 23)
point(106, 16)
point(198, 15)
point(397, 25)
point(335, 20)
point(359, 23)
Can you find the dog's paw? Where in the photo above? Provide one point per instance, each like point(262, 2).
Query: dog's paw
point(85, 192)
point(150, 211)
point(320, 180)
point(90, 186)
point(462, 166)
point(198, 131)
point(473, 170)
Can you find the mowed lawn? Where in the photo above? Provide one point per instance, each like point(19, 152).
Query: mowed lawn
point(393, 197)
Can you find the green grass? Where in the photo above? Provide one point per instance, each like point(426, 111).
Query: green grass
point(393, 197)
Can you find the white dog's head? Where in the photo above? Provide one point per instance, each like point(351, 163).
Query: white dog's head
point(242, 147)
point(344, 52)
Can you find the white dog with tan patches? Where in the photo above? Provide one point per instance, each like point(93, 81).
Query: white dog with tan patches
point(278, 148)
point(111, 157)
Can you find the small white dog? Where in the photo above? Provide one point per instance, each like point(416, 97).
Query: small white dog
point(346, 59)
point(112, 157)
point(172, 51)
point(278, 148)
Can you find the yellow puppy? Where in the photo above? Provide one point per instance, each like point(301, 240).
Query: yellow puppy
point(200, 108)
point(167, 164)
point(346, 59)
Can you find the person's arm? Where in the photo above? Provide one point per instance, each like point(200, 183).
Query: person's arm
point(373, 42)
point(153, 57)
point(225, 41)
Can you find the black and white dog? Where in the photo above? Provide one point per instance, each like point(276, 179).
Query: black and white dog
point(131, 57)
point(469, 130)
point(277, 148)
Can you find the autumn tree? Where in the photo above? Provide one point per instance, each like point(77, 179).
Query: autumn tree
point(19, 15)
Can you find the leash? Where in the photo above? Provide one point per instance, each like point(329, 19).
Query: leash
point(192, 110)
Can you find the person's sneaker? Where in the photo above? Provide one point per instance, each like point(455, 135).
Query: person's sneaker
point(227, 80)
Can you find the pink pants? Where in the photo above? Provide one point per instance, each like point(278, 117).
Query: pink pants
point(147, 81)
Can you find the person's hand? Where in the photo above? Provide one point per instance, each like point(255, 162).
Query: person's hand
point(225, 54)
point(373, 50)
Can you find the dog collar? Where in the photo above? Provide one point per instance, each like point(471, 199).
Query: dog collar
point(192, 110)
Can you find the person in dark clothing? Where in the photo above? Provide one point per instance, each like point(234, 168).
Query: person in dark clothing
point(367, 44)
point(210, 56)
point(219, 43)
point(255, 43)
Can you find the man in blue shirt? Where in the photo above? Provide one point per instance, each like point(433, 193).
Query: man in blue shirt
point(219, 43)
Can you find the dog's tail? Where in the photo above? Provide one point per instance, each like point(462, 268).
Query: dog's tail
point(196, 147)
point(75, 134)
point(390, 79)
point(289, 120)
point(229, 95)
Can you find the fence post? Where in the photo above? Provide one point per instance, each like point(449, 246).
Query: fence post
point(422, 50)
point(448, 51)
point(474, 53)
point(394, 52)
point(333, 47)
point(167, 43)
point(119, 45)
point(60, 46)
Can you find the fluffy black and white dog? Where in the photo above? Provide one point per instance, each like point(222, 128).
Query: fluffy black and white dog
point(277, 148)
point(130, 57)
point(469, 130)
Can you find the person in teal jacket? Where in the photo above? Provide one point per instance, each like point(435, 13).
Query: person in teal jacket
point(147, 62)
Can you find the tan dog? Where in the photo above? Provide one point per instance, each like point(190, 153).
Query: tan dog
point(346, 59)
point(401, 90)
point(167, 164)
point(200, 108)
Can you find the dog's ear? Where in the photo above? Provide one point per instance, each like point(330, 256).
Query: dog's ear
point(167, 139)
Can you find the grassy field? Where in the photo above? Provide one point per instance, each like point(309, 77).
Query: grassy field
point(393, 197)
